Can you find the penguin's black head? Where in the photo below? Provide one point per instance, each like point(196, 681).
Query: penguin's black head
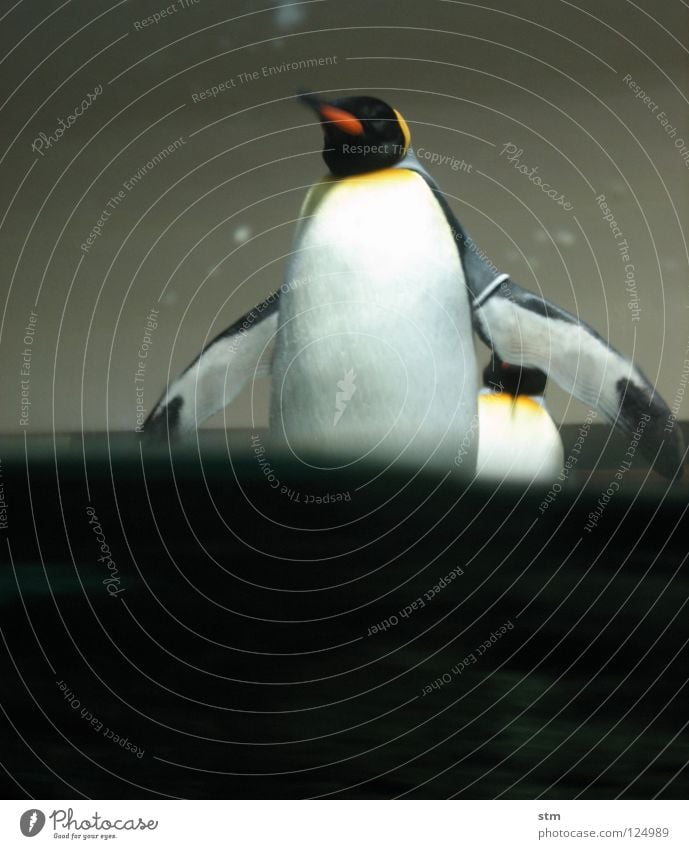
point(514, 380)
point(361, 133)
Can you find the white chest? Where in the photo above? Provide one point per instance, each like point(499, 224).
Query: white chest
point(375, 347)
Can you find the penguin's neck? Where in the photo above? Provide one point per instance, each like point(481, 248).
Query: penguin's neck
point(489, 391)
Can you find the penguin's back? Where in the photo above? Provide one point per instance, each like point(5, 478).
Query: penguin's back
point(375, 346)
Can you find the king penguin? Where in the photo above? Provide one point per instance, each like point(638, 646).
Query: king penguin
point(518, 440)
point(369, 342)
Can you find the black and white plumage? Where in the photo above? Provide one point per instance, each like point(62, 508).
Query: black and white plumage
point(220, 372)
point(528, 330)
point(518, 440)
point(386, 284)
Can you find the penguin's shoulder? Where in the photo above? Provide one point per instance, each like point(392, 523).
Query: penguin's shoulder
point(532, 404)
point(384, 176)
point(489, 398)
point(385, 181)
point(502, 403)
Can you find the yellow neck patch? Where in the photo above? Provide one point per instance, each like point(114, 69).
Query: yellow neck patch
point(384, 176)
point(405, 130)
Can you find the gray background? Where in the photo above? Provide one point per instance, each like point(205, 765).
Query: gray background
point(202, 236)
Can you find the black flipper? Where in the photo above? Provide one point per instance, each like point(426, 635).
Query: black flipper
point(217, 375)
point(526, 329)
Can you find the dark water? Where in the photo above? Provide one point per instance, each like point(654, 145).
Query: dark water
point(231, 637)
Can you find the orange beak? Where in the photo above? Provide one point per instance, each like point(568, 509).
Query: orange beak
point(330, 114)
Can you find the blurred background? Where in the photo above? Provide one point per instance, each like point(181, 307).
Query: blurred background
point(153, 162)
point(190, 199)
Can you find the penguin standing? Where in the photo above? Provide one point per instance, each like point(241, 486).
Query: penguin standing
point(518, 440)
point(369, 339)
point(376, 291)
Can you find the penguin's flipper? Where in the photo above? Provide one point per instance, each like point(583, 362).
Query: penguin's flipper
point(526, 329)
point(217, 375)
